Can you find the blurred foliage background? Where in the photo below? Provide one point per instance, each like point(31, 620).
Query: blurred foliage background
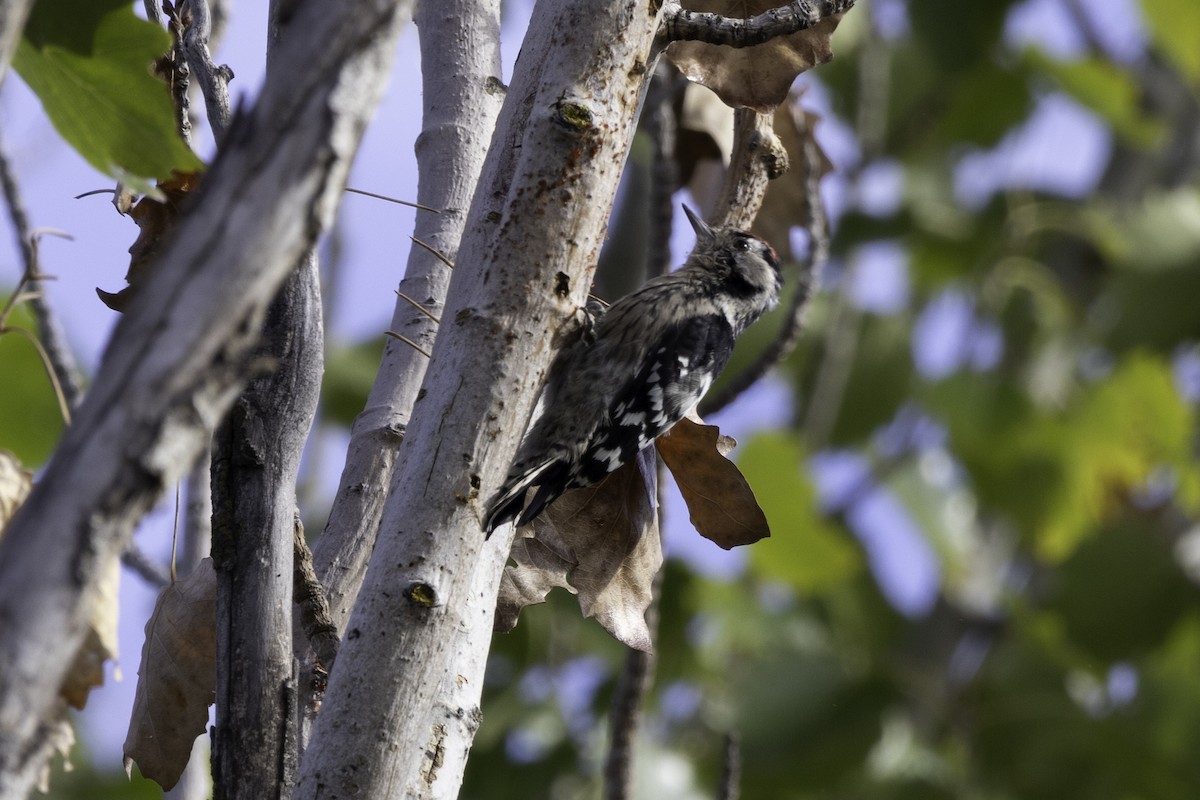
point(982, 581)
point(982, 577)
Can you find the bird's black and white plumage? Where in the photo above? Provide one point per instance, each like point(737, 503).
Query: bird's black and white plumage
point(646, 364)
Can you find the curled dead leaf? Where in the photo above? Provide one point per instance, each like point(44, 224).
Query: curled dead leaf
point(155, 218)
point(176, 678)
point(758, 77)
point(601, 543)
point(719, 500)
point(100, 642)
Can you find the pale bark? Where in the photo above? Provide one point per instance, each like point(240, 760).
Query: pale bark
point(13, 14)
point(462, 94)
point(180, 353)
point(403, 701)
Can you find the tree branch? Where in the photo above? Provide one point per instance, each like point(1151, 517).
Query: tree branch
point(54, 341)
point(183, 349)
point(256, 458)
point(462, 95)
point(793, 323)
point(758, 158)
point(212, 79)
point(731, 768)
point(679, 24)
point(624, 721)
point(424, 616)
point(13, 14)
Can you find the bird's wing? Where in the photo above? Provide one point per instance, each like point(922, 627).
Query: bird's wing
point(680, 369)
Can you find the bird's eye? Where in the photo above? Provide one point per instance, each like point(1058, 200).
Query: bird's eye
point(743, 244)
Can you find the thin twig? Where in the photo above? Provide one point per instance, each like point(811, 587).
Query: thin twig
point(154, 12)
point(731, 768)
point(180, 77)
point(629, 696)
point(662, 127)
point(1088, 30)
point(409, 342)
point(679, 24)
point(145, 567)
point(63, 408)
point(418, 306)
point(624, 721)
point(436, 253)
point(213, 79)
point(92, 192)
point(175, 534)
point(395, 200)
point(57, 354)
point(793, 324)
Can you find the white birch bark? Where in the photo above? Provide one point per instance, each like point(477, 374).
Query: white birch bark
point(180, 354)
point(403, 700)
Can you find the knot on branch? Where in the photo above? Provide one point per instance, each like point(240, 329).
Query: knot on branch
point(573, 116)
point(422, 594)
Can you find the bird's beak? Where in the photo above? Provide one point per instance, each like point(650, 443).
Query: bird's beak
point(703, 231)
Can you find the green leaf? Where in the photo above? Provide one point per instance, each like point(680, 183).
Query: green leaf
point(1122, 592)
point(349, 373)
point(957, 34)
point(804, 550)
point(1106, 89)
point(966, 119)
point(1059, 476)
point(1173, 27)
point(89, 62)
point(30, 422)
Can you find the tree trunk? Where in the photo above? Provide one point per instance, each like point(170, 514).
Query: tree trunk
point(256, 459)
point(403, 700)
point(462, 94)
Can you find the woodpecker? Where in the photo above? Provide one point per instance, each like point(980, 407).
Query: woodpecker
point(641, 368)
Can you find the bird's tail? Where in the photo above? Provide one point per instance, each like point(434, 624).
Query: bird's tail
point(509, 502)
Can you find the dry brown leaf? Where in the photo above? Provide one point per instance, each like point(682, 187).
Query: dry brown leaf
point(155, 219)
point(602, 543)
point(176, 679)
point(100, 642)
point(15, 483)
point(758, 77)
point(719, 500)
